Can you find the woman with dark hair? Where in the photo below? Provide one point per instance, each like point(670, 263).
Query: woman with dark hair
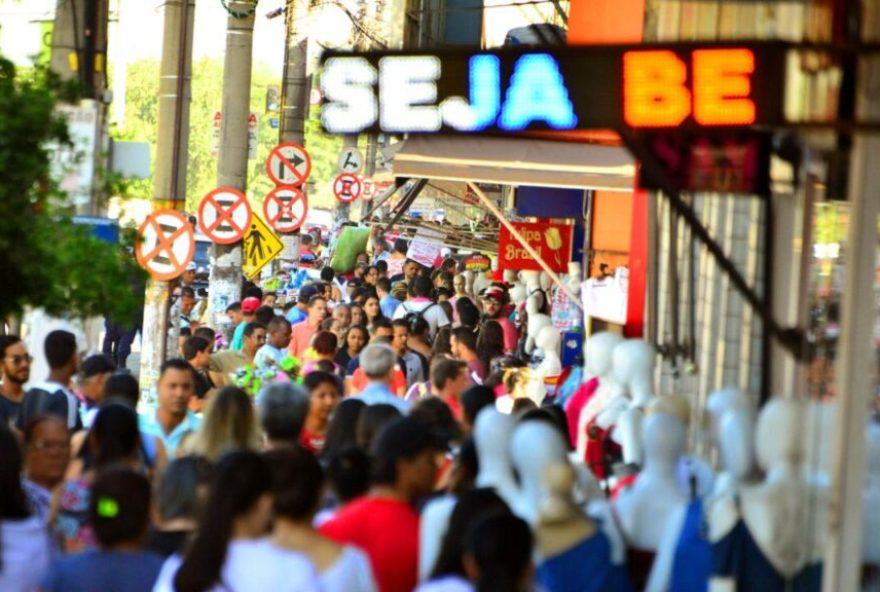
point(490, 344)
point(24, 543)
point(442, 342)
point(357, 315)
point(325, 348)
point(297, 484)
point(372, 310)
point(325, 392)
point(356, 339)
point(122, 387)
point(113, 439)
point(229, 551)
point(419, 337)
point(498, 554)
point(179, 497)
point(341, 431)
point(371, 422)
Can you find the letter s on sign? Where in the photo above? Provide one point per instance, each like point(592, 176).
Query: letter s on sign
point(347, 84)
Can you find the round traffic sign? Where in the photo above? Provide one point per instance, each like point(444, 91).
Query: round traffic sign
point(369, 190)
point(167, 244)
point(224, 215)
point(288, 164)
point(347, 187)
point(350, 160)
point(285, 208)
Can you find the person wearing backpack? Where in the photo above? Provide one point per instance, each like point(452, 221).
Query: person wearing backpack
point(421, 305)
point(54, 395)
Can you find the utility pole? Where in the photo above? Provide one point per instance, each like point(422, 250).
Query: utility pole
point(226, 260)
point(295, 89)
point(169, 184)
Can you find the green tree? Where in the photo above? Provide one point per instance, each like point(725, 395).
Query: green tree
point(45, 259)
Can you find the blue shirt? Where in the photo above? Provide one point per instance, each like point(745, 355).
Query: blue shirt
point(295, 315)
point(150, 425)
point(388, 305)
point(238, 337)
point(107, 571)
point(379, 394)
point(269, 355)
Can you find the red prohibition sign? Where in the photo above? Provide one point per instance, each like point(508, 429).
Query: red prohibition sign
point(224, 215)
point(281, 208)
point(167, 244)
point(347, 187)
point(288, 163)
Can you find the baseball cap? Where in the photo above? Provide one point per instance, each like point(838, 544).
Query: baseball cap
point(404, 437)
point(250, 305)
point(495, 294)
point(191, 266)
point(306, 293)
point(95, 365)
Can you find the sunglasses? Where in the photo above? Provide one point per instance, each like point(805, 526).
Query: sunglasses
point(18, 359)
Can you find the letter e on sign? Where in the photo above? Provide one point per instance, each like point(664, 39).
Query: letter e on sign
point(654, 91)
point(722, 85)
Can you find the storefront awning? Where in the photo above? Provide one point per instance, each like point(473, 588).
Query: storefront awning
point(515, 161)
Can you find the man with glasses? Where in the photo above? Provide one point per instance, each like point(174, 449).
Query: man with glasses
point(16, 370)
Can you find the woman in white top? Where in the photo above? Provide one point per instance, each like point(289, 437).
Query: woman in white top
point(297, 485)
point(227, 553)
point(24, 541)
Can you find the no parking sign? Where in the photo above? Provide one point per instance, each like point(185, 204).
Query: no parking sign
point(285, 208)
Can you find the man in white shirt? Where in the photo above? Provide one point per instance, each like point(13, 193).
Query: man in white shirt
point(278, 334)
point(420, 303)
point(54, 395)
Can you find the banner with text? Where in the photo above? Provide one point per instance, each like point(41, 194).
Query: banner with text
point(551, 241)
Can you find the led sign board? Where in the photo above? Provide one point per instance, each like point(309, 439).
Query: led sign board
point(640, 87)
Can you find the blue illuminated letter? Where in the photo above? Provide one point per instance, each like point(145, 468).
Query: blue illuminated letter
point(537, 93)
point(481, 110)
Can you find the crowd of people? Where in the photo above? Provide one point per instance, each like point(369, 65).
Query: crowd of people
point(311, 480)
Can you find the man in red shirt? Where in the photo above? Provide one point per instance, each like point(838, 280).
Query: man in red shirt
point(383, 523)
point(450, 379)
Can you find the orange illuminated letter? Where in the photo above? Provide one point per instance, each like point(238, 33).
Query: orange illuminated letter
point(722, 85)
point(654, 91)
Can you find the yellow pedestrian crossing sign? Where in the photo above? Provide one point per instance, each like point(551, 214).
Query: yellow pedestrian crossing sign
point(261, 245)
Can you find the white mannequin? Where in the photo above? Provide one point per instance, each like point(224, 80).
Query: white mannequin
point(785, 514)
point(871, 545)
point(732, 428)
point(537, 320)
point(481, 282)
point(534, 447)
point(644, 509)
point(518, 294)
point(492, 434)
point(574, 279)
point(633, 364)
point(598, 355)
point(545, 281)
point(549, 342)
point(510, 276)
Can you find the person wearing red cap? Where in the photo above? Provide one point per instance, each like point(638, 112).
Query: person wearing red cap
point(494, 299)
point(249, 306)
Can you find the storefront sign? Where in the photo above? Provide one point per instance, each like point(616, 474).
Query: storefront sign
point(551, 241)
point(478, 263)
point(425, 247)
point(737, 163)
point(669, 86)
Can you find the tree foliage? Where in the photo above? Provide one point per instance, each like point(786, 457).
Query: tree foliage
point(46, 260)
point(141, 124)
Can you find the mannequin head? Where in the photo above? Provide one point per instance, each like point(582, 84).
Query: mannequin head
point(736, 436)
point(518, 293)
point(779, 434)
point(510, 276)
point(721, 401)
point(633, 364)
point(535, 447)
point(492, 434)
point(545, 281)
point(663, 440)
point(598, 352)
point(573, 281)
point(549, 340)
point(574, 269)
point(672, 404)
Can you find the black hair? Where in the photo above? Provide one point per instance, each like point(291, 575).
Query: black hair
point(470, 506)
point(341, 431)
point(401, 245)
point(240, 479)
point(206, 333)
point(384, 284)
point(187, 291)
point(297, 480)
point(419, 326)
point(348, 472)
point(380, 322)
point(234, 307)
point(466, 467)
point(277, 323)
point(177, 495)
point(114, 435)
point(437, 416)
point(177, 364)
point(123, 386)
point(13, 502)
point(400, 323)
point(468, 313)
point(327, 274)
point(264, 314)
point(316, 378)
point(253, 326)
point(474, 400)
point(442, 342)
point(185, 332)
point(382, 268)
point(119, 506)
point(7, 341)
point(465, 336)
point(193, 346)
point(501, 546)
point(490, 342)
point(253, 291)
point(371, 421)
point(325, 343)
point(59, 347)
point(421, 286)
point(444, 371)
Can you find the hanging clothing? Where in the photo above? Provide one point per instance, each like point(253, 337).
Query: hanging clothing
point(585, 567)
point(692, 563)
point(602, 451)
point(575, 405)
point(564, 313)
point(738, 557)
